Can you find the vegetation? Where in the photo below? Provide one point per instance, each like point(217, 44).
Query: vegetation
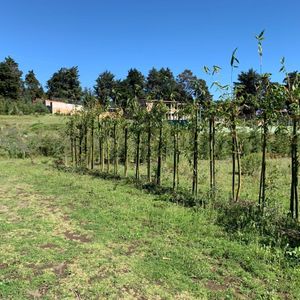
point(233, 164)
point(105, 239)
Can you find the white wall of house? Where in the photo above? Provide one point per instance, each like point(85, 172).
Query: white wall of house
point(57, 107)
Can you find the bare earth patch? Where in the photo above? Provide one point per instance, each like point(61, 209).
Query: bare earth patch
point(48, 246)
point(77, 237)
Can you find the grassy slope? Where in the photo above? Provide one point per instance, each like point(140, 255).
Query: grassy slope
point(34, 123)
point(66, 236)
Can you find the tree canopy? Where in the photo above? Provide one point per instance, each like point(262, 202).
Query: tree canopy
point(104, 87)
point(64, 84)
point(33, 88)
point(11, 85)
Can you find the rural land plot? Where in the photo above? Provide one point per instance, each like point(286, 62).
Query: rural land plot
point(70, 236)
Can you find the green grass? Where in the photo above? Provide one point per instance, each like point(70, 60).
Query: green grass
point(34, 124)
point(70, 236)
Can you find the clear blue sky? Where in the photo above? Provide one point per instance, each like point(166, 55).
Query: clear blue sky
point(45, 35)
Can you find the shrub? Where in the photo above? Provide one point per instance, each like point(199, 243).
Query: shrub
point(251, 163)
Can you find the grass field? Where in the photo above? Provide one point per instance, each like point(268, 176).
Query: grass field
point(33, 123)
point(70, 236)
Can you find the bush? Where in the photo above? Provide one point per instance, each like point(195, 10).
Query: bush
point(50, 144)
point(21, 107)
point(251, 164)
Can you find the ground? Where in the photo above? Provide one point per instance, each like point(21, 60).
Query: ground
point(70, 236)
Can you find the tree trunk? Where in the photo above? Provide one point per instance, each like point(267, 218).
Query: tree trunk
point(75, 152)
point(80, 145)
point(137, 159)
point(195, 156)
point(294, 165)
point(92, 144)
point(149, 152)
point(159, 155)
point(72, 149)
point(101, 146)
point(108, 151)
point(126, 151)
point(239, 169)
point(115, 148)
point(178, 155)
point(86, 145)
point(175, 157)
point(262, 190)
point(233, 154)
point(212, 160)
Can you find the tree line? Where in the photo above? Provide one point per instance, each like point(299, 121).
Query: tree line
point(108, 90)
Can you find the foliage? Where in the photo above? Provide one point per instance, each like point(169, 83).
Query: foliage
point(104, 88)
point(64, 84)
point(10, 79)
point(22, 107)
point(33, 88)
point(250, 164)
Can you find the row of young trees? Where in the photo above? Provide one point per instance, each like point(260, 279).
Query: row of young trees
point(149, 131)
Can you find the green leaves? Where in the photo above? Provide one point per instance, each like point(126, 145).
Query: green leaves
point(259, 39)
point(234, 59)
point(206, 70)
point(215, 69)
point(282, 62)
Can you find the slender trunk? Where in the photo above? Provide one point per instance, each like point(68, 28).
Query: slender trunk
point(108, 151)
point(101, 146)
point(75, 152)
point(126, 151)
point(214, 154)
point(149, 152)
point(211, 183)
point(92, 144)
point(80, 146)
point(262, 191)
point(239, 169)
point(294, 164)
point(195, 156)
point(233, 154)
point(137, 159)
point(86, 145)
point(177, 164)
point(115, 148)
point(174, 159)
point(212, 170)
point(159, 156)
point(72, 149)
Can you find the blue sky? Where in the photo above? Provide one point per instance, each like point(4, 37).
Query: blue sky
point(45, 35)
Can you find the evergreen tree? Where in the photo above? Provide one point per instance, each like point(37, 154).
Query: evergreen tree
point(33, 88)
point(161, 84)
point(247, 90)
point(65, 84)
point(104, 88)
point(10, 79)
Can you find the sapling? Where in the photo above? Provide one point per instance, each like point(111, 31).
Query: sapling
point(292, 92)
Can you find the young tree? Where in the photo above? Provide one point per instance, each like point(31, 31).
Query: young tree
point(292, 93)
point(159, 113)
